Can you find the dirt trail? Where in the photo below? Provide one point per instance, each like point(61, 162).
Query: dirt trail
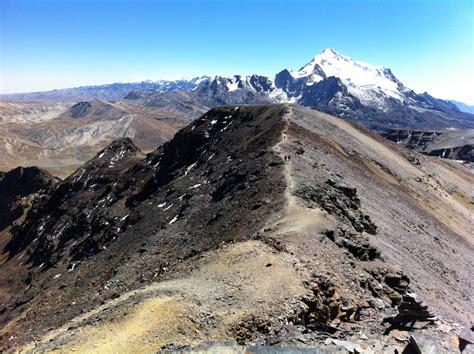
point(296, 218)
point(205, 305)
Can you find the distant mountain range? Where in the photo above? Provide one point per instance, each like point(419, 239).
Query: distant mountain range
point(463, 107)
point(61, 129)
point(331, 82)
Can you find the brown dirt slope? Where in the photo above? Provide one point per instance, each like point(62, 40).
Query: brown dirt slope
point(61, 137)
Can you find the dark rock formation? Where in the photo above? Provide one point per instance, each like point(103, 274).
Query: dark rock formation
point(454, 144)
point(338, 200)
point(17, 184)
point(413, 313)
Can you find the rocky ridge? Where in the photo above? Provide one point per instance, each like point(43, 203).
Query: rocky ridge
point(264, 224)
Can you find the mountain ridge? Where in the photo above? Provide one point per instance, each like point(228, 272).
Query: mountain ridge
point(151, 112)
point(377, 91)
point(373, 85)
point(276, 197)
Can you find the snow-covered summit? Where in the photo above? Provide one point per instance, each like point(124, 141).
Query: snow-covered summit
point(367, 82)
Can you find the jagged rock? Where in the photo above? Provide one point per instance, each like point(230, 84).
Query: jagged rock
point(412, 314)
point(423, 345)
point(17, 184)
point(175, 348)
point(356, 243)
point(338, 200)
point(466, 338)
point(387, 282)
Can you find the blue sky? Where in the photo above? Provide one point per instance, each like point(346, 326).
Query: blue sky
point(47, 44)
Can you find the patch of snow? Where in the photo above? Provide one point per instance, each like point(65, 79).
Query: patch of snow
point(190, 167)
point(117, 157)
point(195, 186)
point(161, 205)
point(233, 84)
point(227, 126)
point(173, 220)
point(278, 95)
point(72, 268)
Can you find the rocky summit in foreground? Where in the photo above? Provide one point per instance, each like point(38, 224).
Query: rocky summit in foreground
point(265, 225)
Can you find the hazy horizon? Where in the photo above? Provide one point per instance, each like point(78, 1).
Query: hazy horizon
point(427, 45)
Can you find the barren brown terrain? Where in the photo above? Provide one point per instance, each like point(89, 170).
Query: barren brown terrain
point(60, 136)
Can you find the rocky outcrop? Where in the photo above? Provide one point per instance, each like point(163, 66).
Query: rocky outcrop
point(412, 313)
point(76, 207)
point(338, 200)
point(18, 185)
point(356, 243)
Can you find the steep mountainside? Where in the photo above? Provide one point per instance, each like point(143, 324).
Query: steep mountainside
point(268, 224)
point(18, 184)
point(454, 144)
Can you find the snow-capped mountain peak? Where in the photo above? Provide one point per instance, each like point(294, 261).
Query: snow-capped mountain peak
point(370, 83)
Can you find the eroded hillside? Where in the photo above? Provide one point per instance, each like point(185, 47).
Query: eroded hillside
point(61, 137)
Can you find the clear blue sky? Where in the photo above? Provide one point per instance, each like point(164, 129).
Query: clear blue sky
point(48, 44)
